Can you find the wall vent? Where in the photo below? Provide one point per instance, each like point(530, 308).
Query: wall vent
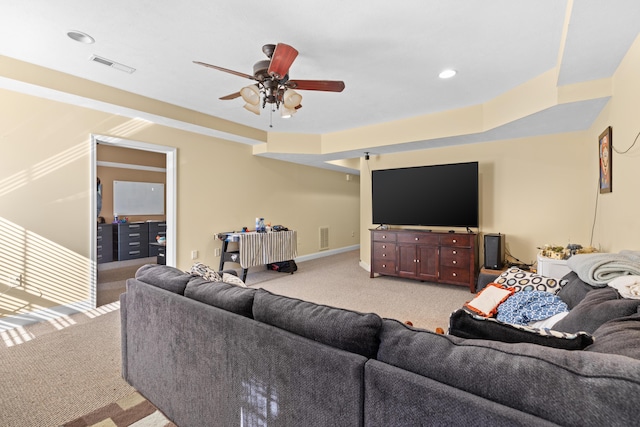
point(112, 64)
point(324, 238)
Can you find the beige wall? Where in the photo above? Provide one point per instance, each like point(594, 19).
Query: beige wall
point(545, 189)
point(45, 190)
point(534, 190)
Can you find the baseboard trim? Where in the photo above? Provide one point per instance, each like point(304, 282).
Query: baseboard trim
point(326, 253)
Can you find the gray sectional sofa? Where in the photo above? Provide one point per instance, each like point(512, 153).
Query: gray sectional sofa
point(215, 354)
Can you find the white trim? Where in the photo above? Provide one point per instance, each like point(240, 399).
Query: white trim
point(323, 254)
point(170, 189)
point(130, 166)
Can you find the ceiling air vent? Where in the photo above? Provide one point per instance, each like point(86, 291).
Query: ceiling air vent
point(112, 64)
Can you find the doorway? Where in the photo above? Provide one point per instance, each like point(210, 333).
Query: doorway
point(170, 188)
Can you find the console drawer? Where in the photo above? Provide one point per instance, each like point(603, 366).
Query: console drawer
point(384, 250)
point(455, 275)
point(384, 236)
point(384, 266)
point(419, 238)
point(462, 240)
point(455, 257)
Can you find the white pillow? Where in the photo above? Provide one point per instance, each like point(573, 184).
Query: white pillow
point(487, 302)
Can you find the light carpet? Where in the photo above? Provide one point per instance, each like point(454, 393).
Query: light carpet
point(58, 371)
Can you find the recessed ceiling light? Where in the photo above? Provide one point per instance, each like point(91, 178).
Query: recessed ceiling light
point(81, 37)
point(447, 74)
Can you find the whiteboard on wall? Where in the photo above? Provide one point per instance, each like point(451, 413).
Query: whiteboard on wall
point(138, 198)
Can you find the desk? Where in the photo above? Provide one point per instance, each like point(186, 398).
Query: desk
point(258, 248)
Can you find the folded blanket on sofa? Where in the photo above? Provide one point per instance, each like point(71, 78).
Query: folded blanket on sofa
point(599, 269)
point(524, 307)
point(627, 286)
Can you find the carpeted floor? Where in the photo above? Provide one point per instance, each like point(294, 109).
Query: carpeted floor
point(58, 371)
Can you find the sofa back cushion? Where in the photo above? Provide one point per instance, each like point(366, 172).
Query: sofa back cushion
point(597, 307)
point(574, 291)
point(165, 277)
point(223, 295)
point(542, 381)
point(344, 329)
point(619, 336)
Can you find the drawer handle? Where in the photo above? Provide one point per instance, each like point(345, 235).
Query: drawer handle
point(134, 252)
point(454, 274)
point(417, 238)
point(134, 243)
point(384, 237)
point(99, 238)
point(455, 241)
point(455, 262)
point(134, 234)
point(99, 247)
point(384, 265)
point(455, 252)
point(384, 246)
point(134, 226)
point(384, 254)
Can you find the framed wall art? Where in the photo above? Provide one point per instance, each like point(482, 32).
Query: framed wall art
point(604, 154)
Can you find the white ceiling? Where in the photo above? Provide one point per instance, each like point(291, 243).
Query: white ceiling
point(388, 54)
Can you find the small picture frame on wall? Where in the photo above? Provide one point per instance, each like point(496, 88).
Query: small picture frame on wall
point(604, 154)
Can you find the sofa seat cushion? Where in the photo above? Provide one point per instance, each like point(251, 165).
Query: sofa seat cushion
point(619, 336)
point(565, 387)
point(598, 306)
point(467, 325)
point(223, 295)
point(163, 276)
point(344, 329)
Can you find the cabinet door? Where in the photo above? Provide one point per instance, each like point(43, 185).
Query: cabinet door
point(407, 261)
point(427, 262)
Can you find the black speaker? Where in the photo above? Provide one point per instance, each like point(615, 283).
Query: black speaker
point(494, 251)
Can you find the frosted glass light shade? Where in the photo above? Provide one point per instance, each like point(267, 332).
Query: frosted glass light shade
point(255, 109)
point(287, 112)
point(250, 94)
point(291, 98)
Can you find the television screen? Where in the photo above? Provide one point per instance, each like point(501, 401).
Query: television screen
point(439, 195)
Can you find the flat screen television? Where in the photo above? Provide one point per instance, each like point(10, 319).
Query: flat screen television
point(438, 195)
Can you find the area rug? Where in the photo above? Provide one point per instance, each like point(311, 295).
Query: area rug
point(132, 410)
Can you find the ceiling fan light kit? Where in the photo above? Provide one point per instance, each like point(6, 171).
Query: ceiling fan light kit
point(273, 85)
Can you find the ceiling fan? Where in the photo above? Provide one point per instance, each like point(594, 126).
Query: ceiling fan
point(272, 82)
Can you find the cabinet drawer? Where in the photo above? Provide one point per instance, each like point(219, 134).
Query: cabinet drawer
point(384, 250)
point(383, 266)
point(421, 238)
point(384, 236)
point(455, 275)
point(463, 240)
point(455, 257)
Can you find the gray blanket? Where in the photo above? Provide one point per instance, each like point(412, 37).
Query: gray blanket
point(601, 268)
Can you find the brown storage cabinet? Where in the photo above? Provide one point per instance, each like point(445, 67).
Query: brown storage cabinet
point(424, 255)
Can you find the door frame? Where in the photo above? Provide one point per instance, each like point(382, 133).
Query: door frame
point(171, 196)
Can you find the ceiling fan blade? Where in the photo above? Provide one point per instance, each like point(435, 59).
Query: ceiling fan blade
point(283, 57)
point(236, 73)
point(324, 85)
point(231, 96)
